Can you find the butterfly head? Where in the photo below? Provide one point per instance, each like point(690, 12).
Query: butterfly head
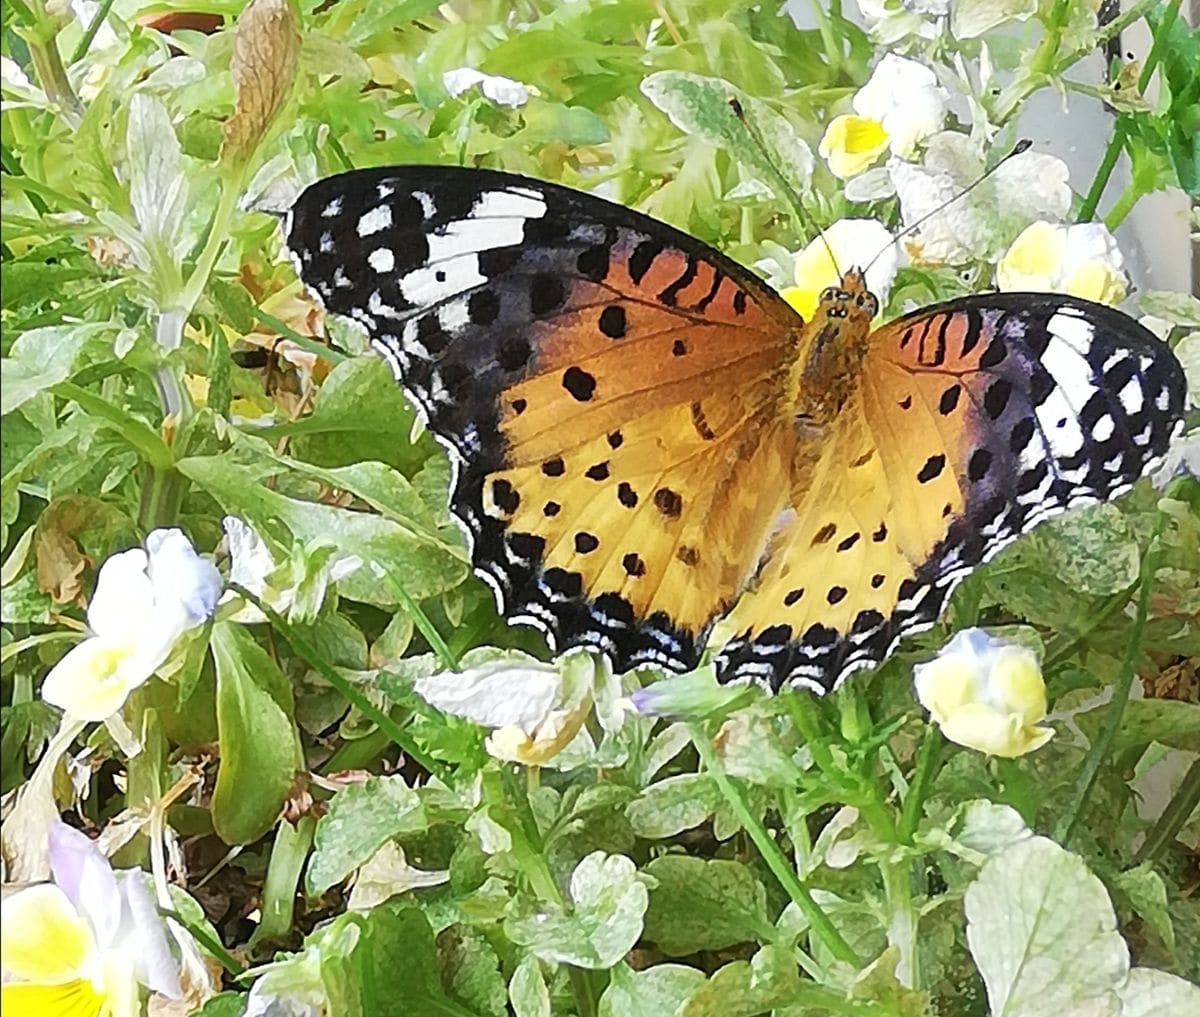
point(850, 298)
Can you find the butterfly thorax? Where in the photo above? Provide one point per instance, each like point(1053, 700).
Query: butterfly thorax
point(831, 348)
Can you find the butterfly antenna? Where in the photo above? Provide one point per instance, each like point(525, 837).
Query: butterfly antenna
point(1021, 146)
point(796, 201)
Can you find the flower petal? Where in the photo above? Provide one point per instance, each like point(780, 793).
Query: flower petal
point(76, 998)
point(851, 143)
point(82, 872)
point(93, 679)
point(43, 939)
point(124, 594)
point(1015, 683)
point(182, 580)
point(143, 938)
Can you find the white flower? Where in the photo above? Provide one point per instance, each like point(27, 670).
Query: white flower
point(854, 243)
point(900, 106)
point(985, 693)
point(978, 224)
point(891, 20)
point(81, 944)
point(535, 709)
point(144, 601)
point(495, 87)
point(1082, 260)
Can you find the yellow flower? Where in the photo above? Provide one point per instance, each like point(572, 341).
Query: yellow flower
point(1082, 260)
point(853, 242)
point(851, 144)
point(79, 946)
point(985, 694)
point(144, 601)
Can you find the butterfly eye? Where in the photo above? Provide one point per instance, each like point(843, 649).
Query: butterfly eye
point(828, 294)
point(871, 305)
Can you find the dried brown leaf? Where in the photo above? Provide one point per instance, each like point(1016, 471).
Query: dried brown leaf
point(266, 44)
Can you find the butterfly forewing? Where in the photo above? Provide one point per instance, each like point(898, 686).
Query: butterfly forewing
point(973, 422)
point(609, 388)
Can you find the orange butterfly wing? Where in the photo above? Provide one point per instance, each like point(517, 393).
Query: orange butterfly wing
point(609, 387)
point(972, 422)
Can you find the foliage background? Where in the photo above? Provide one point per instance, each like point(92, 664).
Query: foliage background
point(785, 866)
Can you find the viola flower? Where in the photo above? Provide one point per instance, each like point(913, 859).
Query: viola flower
point(144, 601)
point(853, 243)
point(889, 21)
point(534, 709)
point(900, 106)
point(1082, 260)
point(986, 694)
point(81, 945)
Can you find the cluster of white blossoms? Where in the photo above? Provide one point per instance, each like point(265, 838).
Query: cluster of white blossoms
point(897, 141)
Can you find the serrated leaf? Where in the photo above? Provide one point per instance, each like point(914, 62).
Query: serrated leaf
point(1043, 934)
point(672, 805)
point(700, 106)
point(744, 989)
point(703, 904)
point(608, 898)
point(157, 186)
point(656, 991)
point(266, 43)
point(527, 990)
point(40, 358)
point(1092, 550)
point(360, 820)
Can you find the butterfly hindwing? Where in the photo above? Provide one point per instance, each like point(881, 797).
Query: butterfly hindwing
point(974, 421)
point(607, 384)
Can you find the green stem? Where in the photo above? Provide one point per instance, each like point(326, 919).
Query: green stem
point(1123, 205)
point(1117, 141)
point(218, 235)
point(1177, 812)
point(89, 36)
point(1099, 749)
point(306, 650)
point(926, 769)
point(423, 624)
point(47, 64)
point(288, 854)
point(306, 343)
point(210, 943)
point(902, 918)
point(822, 927)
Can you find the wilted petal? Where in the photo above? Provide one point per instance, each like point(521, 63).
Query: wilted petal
point(142, 936)
point(43, 938)
point(84, 875)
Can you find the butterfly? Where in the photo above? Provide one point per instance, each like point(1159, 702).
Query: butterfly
point(646, 438)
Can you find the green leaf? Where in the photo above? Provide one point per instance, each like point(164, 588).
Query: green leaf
point(1147, 893)
point(259, 744)
point(403, 974)
point(158, 190)
point(674, 804)
point(224, 1004)
point(704, 905)
point(700, 106)
point(747, 989)
point(1173, 722)
point(527, 990)
point(360, 820)
point(473, 971)
point(608, 898)
point(657, 991)
point(1034, 914)
point(40, 358)
point(1093, 550)
point(425, 566)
